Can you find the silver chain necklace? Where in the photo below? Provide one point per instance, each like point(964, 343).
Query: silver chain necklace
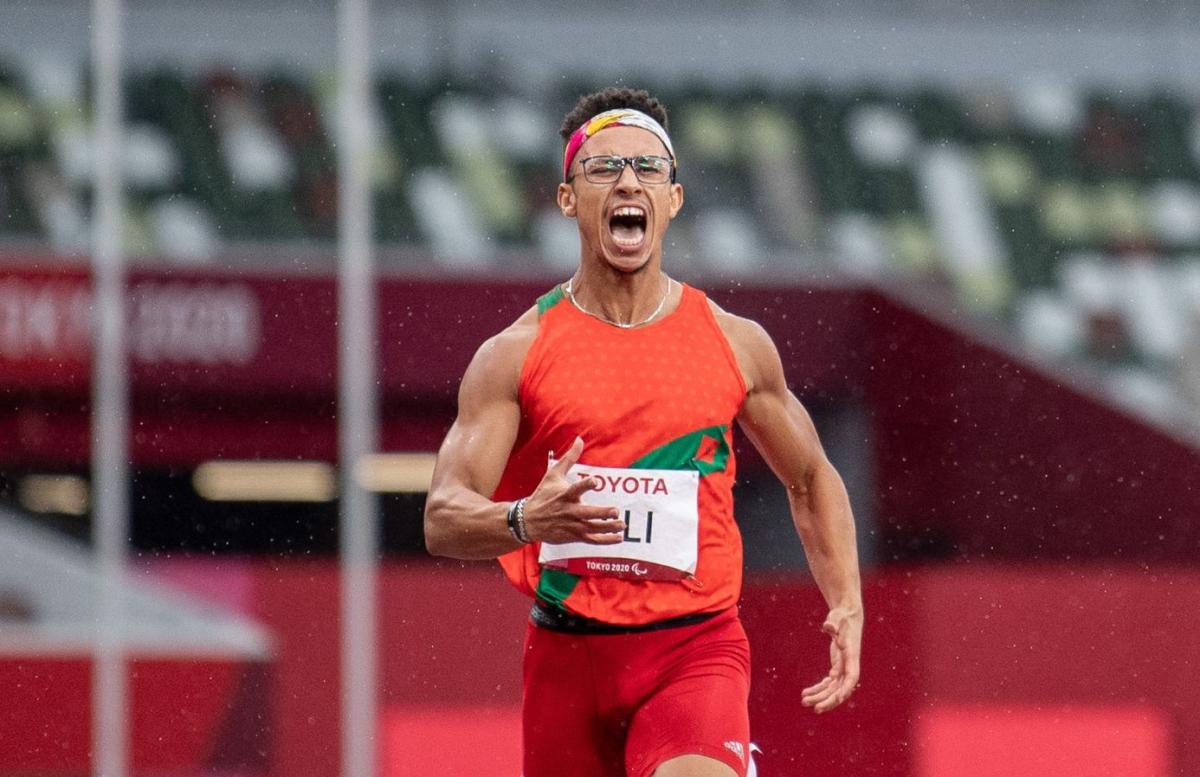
point(632, 324)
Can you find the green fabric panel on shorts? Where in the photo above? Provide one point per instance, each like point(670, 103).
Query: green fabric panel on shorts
point(681, 453)
point(549, 300)
point(554, 586)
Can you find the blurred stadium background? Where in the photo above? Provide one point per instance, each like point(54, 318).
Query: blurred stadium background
point(973, 231)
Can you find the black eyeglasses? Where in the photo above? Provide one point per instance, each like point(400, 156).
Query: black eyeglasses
point(607, 169)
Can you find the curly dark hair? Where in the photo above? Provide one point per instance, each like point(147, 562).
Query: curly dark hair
point(608, 99)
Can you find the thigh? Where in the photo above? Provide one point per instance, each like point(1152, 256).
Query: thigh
point(699, 709)
point(561, 730)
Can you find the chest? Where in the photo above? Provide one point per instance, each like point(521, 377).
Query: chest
point(675, 379)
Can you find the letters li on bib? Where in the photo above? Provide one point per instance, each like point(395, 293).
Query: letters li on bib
point(662, 521)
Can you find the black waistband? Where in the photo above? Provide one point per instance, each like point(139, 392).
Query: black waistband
point(554, 619)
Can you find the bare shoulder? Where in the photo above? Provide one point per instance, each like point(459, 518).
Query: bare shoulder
point(495, 369)
point(752, 346)
point(514, 340)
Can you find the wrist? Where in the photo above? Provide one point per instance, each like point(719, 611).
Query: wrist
point(516, 522)
point(853, 607)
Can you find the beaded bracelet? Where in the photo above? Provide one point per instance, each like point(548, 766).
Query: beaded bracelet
point(516, 522)
point(512, 521)
point(522, 532)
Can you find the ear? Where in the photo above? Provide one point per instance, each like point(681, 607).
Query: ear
point(676, 198)
point(566, 200)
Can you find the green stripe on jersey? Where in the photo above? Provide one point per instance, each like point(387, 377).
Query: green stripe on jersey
point(549, 300)
point(682, 452)
point(555, 585)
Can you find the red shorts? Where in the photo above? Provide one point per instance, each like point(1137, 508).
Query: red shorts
point(619, 705)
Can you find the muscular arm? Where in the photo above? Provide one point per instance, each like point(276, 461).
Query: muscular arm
point(461, 520)
point(783, 432)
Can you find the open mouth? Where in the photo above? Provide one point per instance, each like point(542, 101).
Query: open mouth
point(628, 226)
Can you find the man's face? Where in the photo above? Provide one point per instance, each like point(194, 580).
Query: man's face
point(622, 223)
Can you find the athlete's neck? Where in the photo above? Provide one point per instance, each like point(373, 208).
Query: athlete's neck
point(622, 298)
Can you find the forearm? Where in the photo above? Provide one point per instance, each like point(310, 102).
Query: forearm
point(462, 524)
point(823, 519)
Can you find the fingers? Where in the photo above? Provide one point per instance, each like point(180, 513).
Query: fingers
point(571, 457)
point(850, 664)
point(814, 690)
point(599, 519)
point(828, 693)
point(819, 696)
point(577, 489)
point(604, 538)
point(603, 527)
point(585, 523)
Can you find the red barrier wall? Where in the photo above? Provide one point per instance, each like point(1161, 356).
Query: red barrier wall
point(1097, 655)
point(981, 456)
point(1081, 641)
point(190, 715)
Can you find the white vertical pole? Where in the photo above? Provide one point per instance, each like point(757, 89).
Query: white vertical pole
point(110, 403)
point(358, 425)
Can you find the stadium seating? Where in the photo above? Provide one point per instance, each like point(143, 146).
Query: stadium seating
point(1074, 215)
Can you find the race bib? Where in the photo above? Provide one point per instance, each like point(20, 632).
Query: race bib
point(662, 525)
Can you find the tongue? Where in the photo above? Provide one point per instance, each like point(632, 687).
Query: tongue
point(628, 233)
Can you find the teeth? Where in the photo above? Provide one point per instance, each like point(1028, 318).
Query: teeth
point(629, 210)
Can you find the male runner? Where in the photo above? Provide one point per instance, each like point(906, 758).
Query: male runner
point(592, 454)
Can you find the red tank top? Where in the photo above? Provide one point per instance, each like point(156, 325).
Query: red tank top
point(661, 396)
